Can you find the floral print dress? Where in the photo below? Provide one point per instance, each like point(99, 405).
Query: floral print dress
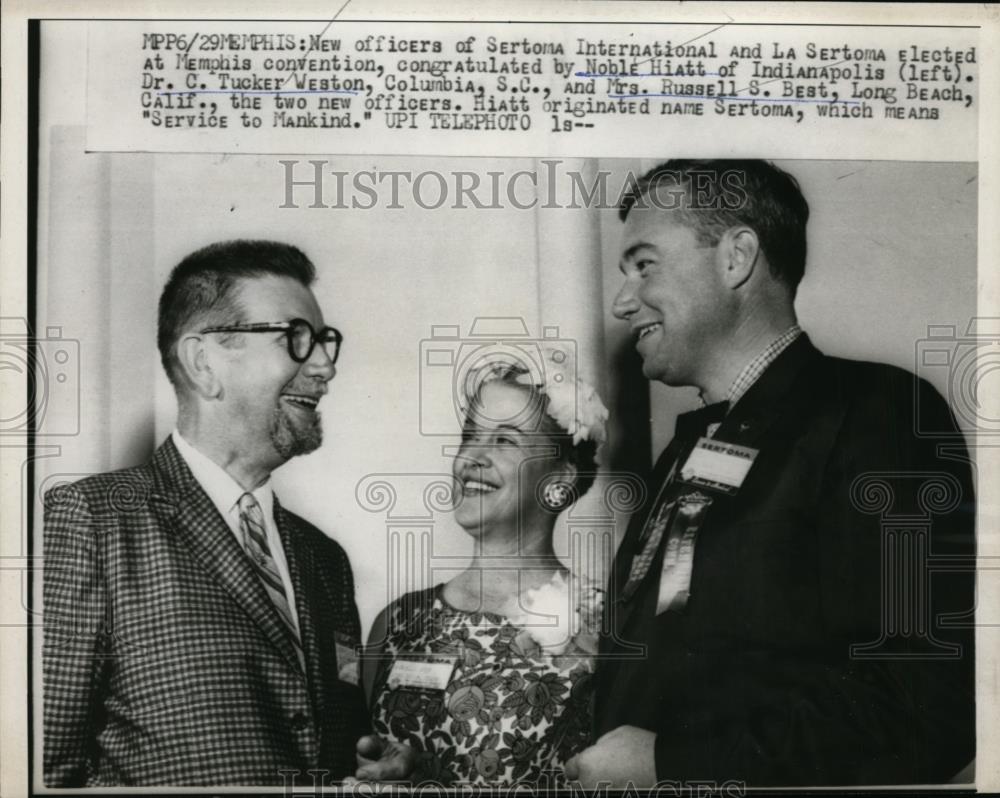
point(510, 713)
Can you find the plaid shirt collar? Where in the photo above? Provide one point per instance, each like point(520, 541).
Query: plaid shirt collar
point(751, 371)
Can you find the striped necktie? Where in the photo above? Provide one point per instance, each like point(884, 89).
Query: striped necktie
point(255, 543)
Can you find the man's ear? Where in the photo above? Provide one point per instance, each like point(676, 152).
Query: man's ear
point(196, 365)
point(741, 253)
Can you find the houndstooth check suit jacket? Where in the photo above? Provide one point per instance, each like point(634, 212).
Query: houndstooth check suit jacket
point(164, 660)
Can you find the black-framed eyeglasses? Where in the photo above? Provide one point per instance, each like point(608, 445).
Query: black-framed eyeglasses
point(299, 334)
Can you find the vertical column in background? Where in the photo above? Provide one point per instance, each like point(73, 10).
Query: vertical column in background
point(569, 259)
point(131, 311)
point(570, 298)
point(74, 295)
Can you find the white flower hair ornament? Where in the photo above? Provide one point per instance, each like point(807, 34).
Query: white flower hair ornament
point(573, 402)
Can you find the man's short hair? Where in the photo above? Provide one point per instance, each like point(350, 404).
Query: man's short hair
point(203, 286)
point(710, 196)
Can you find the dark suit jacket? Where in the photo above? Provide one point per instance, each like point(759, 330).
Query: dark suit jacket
point(756, 679)
point(164, 659)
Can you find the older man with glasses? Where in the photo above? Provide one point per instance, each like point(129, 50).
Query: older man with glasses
point(196, 631)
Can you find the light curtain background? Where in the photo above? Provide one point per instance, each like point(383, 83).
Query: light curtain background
point(892, 250)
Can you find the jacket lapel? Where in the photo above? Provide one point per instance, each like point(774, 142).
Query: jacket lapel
point(768, 399)
point(302, 570)
point(746, 424)
point(186, 508)
point(632, 542)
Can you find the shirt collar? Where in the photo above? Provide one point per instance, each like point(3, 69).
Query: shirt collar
point(222, 489)
point(753, 370)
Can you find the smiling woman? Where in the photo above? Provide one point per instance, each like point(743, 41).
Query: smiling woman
point(487, 676)
point(501, 458)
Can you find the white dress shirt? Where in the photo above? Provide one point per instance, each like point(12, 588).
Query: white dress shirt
point(225, 494)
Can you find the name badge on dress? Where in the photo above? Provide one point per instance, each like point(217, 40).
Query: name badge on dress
point(422, 672)
point(347, 659)
point(718, 465)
